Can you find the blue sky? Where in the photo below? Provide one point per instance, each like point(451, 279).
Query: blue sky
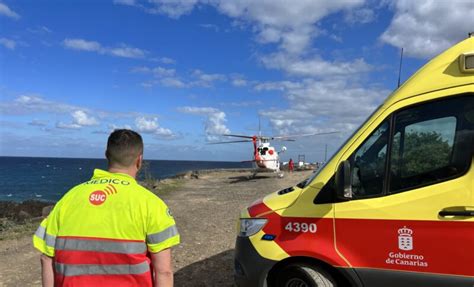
point(181, 72)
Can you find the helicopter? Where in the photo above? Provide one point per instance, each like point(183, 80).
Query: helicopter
point(265, 157)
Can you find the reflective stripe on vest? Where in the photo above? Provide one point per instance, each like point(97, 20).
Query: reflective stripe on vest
point(49, 239)
point(96, 256)
point(162, 235)
point(123, 247)
point(91, 269)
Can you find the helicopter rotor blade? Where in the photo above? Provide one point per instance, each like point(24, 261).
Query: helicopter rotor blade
point(249, 137)
point(301, 135)
point(238, 136)
point(241, 141)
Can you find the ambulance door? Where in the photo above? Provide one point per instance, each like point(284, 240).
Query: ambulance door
point(410, 219)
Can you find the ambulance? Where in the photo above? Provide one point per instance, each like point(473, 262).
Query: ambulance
point(393, 207)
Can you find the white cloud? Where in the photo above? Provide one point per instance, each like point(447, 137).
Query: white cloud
point(148, 85)
point(291, 26)
point(6, 11)
point(165, 133)
point(30, 104)
point(424, 28)
point(38, 123)
point(83, 119)
point(315, 105)
point(214, 124)
point(79, 119)
point(61, 125)
point(125, 2)
point(208, 26)
point(141, 69)
point(123, 50)
point(206, 80)
point(151, 126)
point(146, 125)
point(113, 127)
point(158, 71)
point(45, 29)
point(8, 43)
point(169, 78)
point(314, 66)
point(40, 30)
point(242, 104)
point(238, 80)
point(172, 8)
point(126, 52)
point(163, 76)
point(172, 82)
point(164, 60)
point(277, 86)
point(163, 72)
point(363, 16)
point(80, 116)
point(83, 45)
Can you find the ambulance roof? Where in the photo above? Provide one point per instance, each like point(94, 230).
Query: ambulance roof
point(442, 72)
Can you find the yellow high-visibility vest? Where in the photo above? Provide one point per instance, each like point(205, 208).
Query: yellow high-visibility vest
point(99, 233)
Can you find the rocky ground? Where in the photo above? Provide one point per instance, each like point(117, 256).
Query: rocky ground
point(205, 205)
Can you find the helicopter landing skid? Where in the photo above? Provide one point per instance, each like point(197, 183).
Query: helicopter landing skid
point(253, 175)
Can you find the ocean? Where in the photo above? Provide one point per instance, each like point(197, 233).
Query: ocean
point(24, 178)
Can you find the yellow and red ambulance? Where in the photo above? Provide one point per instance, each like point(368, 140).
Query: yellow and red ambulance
point(393, 207)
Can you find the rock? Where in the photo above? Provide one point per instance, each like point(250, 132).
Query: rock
point(46, 210)
point(23, 210)
point(24, 215)
point(186, 175)
point(8, 209)
point(33, 207)
point(195, 174)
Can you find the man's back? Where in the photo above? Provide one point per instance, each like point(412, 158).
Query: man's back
point(100, 231)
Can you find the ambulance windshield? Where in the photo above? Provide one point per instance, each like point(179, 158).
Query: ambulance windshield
point(306, 182)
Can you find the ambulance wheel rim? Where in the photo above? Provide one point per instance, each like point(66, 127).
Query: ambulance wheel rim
point(304, 275)
point(296, 282)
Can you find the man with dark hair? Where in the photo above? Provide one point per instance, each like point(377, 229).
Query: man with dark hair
point(109, 231)
point(124, 147)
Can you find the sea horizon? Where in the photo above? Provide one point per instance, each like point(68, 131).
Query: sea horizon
point(48, 178)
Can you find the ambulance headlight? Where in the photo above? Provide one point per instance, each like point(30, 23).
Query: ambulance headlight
point(250, 226)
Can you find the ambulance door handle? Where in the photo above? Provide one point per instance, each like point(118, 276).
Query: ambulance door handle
point(456, 213)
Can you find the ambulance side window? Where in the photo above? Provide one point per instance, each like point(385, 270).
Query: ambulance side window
point(368, 164)
point(432, 142)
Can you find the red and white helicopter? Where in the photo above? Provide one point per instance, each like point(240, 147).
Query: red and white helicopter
point(265, 157)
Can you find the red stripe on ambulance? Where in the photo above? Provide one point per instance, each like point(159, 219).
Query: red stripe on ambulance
point(409, 245)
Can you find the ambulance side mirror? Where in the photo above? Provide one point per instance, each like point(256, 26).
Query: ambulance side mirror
point(343, 181)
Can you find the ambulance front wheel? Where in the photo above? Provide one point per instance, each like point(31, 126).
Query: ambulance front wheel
point(302, 275)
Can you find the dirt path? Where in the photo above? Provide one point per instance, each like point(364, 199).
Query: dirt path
point(206, 211)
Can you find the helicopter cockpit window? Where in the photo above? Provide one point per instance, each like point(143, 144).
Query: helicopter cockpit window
point(264, 151)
